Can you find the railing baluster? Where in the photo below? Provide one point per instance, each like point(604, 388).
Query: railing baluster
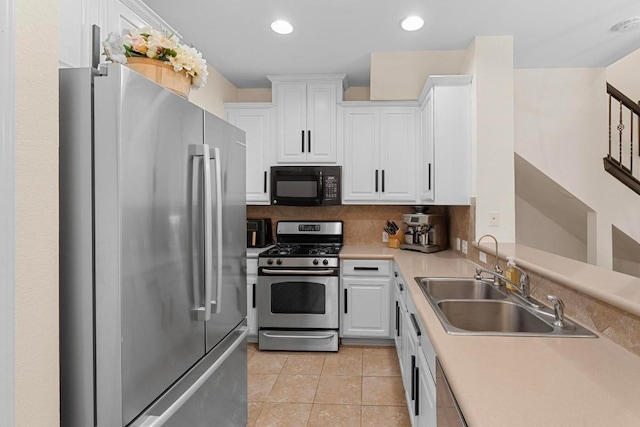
point(620, 129)
point(631, 142)
point(609, 125)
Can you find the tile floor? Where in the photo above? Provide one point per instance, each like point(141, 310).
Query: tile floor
point(357, 386)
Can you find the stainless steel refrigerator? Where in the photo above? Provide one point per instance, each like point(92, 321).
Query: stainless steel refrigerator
point(152, 257)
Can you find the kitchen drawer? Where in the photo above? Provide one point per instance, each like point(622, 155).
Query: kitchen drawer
point(366, 268)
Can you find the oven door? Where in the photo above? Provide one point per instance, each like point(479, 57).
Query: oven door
point(298, 301)
point(296, 186)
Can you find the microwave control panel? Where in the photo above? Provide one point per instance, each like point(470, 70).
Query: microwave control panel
point(331, 187)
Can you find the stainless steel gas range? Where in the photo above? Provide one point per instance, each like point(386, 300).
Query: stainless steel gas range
point(298, 287)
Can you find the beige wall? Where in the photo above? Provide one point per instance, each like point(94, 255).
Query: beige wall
point(625, 75)
point(214, 94)
point(399, 76)
point(36, 125)
point(494, 126)
point(356, 93)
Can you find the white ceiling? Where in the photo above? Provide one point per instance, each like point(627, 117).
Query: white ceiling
point(337, 36)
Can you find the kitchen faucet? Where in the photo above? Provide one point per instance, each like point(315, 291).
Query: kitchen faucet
point(496, 268)
point(524, 288)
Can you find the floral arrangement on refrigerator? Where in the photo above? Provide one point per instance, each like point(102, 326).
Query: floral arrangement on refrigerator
point(157, 44)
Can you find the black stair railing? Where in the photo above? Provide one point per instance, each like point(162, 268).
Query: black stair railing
point(624, 133)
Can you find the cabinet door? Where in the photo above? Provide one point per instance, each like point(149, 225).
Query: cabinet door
point(360, 174)
point(321, 123)
point(424, 409)
point(256, 122)
point(410, 353)
point(426, 164)
point(292, 123)
point(452, 144)
point(365, 307)
point(398, 154)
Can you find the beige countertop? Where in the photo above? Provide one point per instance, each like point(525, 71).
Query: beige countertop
point(521, 381)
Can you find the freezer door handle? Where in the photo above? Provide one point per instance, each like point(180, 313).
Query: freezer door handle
point(147, 420)
point(203, 150)
point(218, 301)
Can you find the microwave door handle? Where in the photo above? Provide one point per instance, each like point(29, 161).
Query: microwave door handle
point(218, 300)
point(321, 189)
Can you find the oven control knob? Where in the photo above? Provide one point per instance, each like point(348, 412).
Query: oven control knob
point(278, 261)
point(269, 261)
point(325, 261)
point(315, 262)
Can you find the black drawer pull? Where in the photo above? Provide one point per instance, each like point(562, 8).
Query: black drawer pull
point(413, 377)
point(345, 302)
point(415, 324)
point(366, 268)
point(397, 319)
point(254, 295)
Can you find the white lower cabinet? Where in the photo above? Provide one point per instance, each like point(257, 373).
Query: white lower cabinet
point(416, 356)
point(425, 404)
point(366, 299)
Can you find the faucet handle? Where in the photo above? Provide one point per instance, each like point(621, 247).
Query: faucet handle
point(478, 275)
point(558, 309)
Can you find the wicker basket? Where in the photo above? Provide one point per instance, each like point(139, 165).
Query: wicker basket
point(162, 73)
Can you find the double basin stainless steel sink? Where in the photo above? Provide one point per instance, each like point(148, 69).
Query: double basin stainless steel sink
point(467, 306)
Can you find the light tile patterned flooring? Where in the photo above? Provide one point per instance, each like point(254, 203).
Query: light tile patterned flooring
point(357, 386)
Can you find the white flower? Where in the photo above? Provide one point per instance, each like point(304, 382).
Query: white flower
point(114, 49)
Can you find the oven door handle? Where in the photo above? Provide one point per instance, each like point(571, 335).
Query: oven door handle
point(298, 272)
point(313, 337)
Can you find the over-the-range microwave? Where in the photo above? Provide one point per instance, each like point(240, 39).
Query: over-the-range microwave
point(306, 185)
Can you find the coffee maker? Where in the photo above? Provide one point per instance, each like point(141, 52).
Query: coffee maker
point(425, 232)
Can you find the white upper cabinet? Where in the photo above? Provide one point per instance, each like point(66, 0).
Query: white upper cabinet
point(380, 143)
point(256, 119)
point(445, 157)
point(306, 130)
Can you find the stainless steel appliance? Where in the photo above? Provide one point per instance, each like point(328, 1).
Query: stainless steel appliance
point(306, 185)
point(259, 233)
point(152, 269)
point(425, 232)
point(298, 287)
point(448, 412)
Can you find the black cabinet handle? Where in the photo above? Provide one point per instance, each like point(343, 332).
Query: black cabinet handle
point(265, 181)
point(397, 319)
point(308, 141)
point(416, 403)
point(395, 273)
point(415, 324)
point(400, 287)
point(345, 301)
point(254, 295)
point(429, 176)
point(413, 377)
point(383, 180)
point(376, 180)
point(302, 140)
point(366, 268)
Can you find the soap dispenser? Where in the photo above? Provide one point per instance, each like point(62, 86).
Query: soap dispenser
point(512, 273)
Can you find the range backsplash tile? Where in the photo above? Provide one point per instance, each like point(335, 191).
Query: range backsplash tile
point(363, 224)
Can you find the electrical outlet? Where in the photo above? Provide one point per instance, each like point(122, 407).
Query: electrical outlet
point(458, 244)
point(494, 219)
point(385, 237)
point(464, 247)
point(482, 257)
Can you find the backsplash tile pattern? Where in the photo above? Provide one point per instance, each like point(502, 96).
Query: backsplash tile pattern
point(619, 326)
point(363, 224)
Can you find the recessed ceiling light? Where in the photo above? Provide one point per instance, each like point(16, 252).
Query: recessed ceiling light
point(412, 23)
point(627, 24)
point(281, 27)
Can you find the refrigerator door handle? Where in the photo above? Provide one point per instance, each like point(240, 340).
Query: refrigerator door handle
point(159, 420)
point(217, 302)
point(204, 312)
